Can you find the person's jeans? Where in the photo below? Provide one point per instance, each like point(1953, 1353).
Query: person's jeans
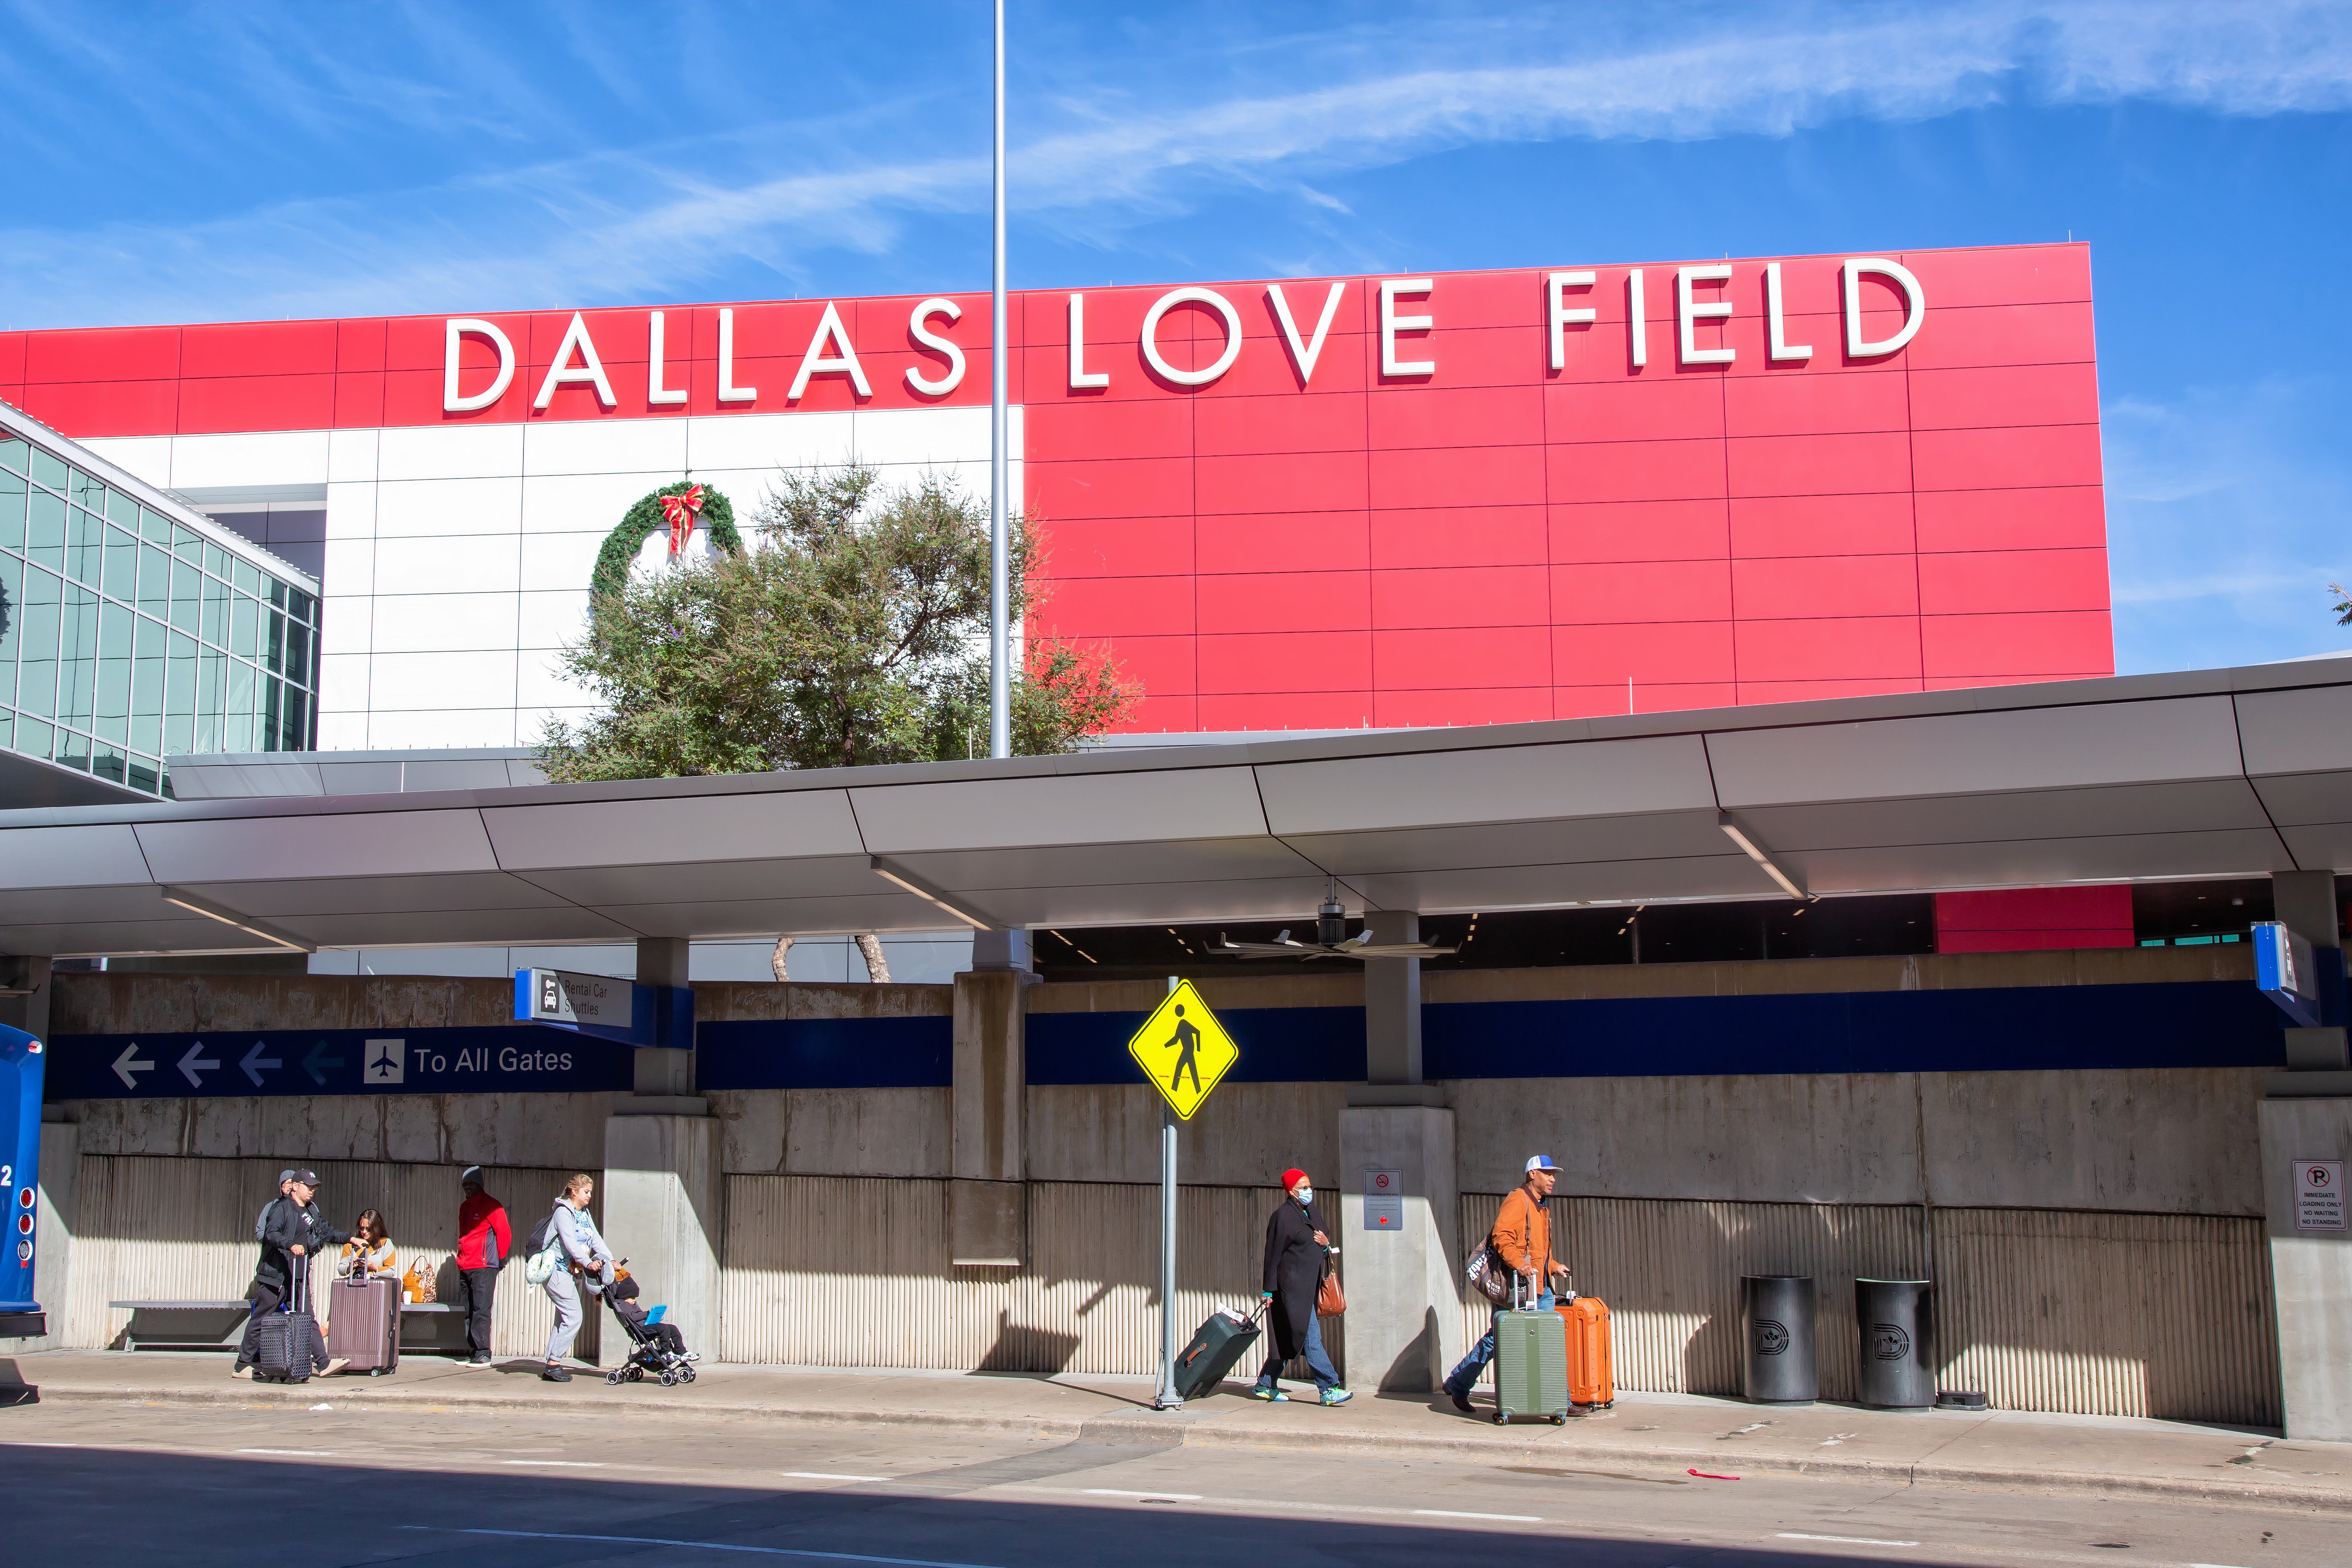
point(1459, 1380)
point(1318, 1363)
point(477, 1288)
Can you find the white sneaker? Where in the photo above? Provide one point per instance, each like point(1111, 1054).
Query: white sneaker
point(334, 1366)
point(245, 1372)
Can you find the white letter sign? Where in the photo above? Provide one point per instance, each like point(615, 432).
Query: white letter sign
point(1557, 317)
point(727, 391)
point(1637, 318)
point(654, 391)
point(1392, 324)
point(1776, 323)
point(919, 327)
point(561, 372)
point(1168, 301)
point(1304, 355)
point(829, 330)
point(1080, 377)
point(1688, 315)
point(2319, 1195)
point(451, 401)
point(1915, 302)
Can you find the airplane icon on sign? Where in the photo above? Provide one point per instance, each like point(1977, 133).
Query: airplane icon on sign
point(387, 1061)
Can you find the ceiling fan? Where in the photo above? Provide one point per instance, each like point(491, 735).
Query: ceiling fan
point(1331, 940)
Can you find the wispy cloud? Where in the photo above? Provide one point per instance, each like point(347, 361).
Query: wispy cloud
point(2231, 500)
point(656, 216)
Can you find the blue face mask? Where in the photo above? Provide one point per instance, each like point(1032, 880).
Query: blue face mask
point(1305, 1195)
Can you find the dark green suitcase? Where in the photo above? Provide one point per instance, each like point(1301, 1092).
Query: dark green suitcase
point(1530, 1364)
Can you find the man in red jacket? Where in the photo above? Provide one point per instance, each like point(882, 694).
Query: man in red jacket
point(485, 1242)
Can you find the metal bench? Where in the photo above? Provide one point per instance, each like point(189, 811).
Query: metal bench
point(427, 1328)
point(183, 1325)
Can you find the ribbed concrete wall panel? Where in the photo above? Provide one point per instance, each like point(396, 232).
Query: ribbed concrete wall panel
point(181, 1229)
point(2109, 1314)
point(2090, 1313)
point(840, 1271)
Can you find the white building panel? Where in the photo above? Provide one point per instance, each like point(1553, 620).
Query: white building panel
point(250, 458)
point(484, 563)
point(344, 629)
point(350, 568)
point(147, 456)
point(425, 728)
point(451, 452)
point(559, 562)
point(425, 508)
point(551, 619)
point(432, 623)
point(586, 503)
point(350, 455)
point(600, 446)
point(351, 509)
point(413, 682)
point(724, 441)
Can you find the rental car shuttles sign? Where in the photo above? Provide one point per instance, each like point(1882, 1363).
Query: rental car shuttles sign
point(1183, 1050)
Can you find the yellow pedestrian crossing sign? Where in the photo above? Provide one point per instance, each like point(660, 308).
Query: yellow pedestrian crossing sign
point(1183, 1050)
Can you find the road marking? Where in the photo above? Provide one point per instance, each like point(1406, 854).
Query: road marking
point(701, 1545)
point(566, 1464)
point(44, 1445)
point(1848, 1539)
point(1451, 1513)
point(825, 1476)
point(291, 1453)
point(2213, 1565)
point(1152, 1497)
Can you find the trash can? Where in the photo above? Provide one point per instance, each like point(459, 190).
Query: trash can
point(1898, 1361)
point(1776, 1353)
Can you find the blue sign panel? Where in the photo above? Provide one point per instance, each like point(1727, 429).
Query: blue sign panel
point(826, 1053)
point(498, 1060)
point(21, 1063)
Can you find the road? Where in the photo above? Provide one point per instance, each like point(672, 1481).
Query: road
point(198, 1486)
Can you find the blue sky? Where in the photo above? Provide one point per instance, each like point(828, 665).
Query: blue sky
point(177, 162)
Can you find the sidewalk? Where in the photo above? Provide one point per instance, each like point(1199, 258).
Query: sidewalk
point(2057, 1454)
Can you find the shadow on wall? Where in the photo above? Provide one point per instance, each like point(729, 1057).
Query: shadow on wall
point(2088, 1313)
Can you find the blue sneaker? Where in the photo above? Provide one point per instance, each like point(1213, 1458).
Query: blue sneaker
point(1337, 1396)
point(1271, 1395)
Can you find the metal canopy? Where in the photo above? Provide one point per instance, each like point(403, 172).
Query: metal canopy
point(2206, 773)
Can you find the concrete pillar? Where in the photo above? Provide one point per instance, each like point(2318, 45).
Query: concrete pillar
point(990, 1160)
point(663, 1072)
point(1404, 1317)
point(2306, 904)
point(1393, 1002)
point(660, 1197)
point(993, 950)
point(2311, 1271)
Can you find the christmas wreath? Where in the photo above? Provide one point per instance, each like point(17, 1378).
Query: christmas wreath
point(675, 507)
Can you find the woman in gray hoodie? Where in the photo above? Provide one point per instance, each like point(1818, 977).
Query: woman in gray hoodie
point(584, 1255)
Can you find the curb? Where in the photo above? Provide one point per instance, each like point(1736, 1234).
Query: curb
point(1161, 1433)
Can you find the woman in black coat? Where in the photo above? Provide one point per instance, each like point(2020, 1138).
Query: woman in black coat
point(1296, 1243)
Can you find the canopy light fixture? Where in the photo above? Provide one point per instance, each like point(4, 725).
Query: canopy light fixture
point(196, 903)
point(1757, 852)
point(947, 901)
point(1331, 940)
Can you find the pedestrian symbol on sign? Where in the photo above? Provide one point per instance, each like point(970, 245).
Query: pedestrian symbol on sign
point(387, 1061)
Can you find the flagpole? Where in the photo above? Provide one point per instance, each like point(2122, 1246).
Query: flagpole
point(1000, 661)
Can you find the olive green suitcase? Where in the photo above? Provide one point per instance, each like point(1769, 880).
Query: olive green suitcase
point(1530, 1363)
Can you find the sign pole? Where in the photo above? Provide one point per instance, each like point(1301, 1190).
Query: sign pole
point(1000, 523)
point(1167, 1397)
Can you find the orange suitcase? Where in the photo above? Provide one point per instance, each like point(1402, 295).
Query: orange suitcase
point(1592, 1376)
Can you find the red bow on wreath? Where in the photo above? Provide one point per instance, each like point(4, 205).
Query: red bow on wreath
point(679, 511)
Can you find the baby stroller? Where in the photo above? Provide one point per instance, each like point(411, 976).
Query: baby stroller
point(660, 1348)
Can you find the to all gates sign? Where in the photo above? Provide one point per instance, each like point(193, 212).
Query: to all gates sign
point(2319, 1195)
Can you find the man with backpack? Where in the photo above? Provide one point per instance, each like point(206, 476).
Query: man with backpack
point(1522, 1239)
point(485, 1243)
point(290, 1230)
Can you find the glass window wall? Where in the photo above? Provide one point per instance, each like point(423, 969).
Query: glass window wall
point(126, 637)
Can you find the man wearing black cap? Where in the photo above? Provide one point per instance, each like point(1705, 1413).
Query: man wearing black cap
point(485, 1242)
point(292, 1230)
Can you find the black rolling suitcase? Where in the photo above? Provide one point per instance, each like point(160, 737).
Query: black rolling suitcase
point(1216, 1345)
point(286, 1343)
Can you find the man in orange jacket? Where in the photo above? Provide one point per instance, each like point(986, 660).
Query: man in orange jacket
point(1522, 1239)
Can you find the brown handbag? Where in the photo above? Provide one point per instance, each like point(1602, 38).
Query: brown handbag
point(1330, 1300)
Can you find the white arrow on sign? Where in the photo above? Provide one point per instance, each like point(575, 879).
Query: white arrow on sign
point(129, 1062)
point(192, 1064)
point(254, 1063)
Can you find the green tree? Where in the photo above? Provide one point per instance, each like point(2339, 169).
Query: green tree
point(2343, 606)
point(854, 632)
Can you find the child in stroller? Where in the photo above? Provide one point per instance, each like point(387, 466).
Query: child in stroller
point(660, 1347)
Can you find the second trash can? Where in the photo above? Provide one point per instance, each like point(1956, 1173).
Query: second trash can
point(1898, 1363)
point(1776, 1353)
